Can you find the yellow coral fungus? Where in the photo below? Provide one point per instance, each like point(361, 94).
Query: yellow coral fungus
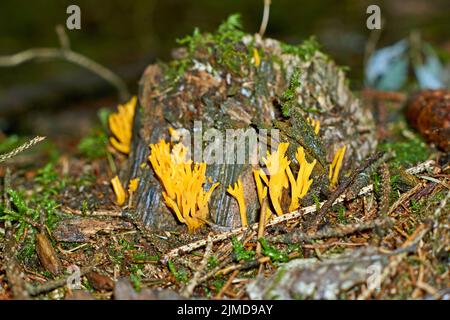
point(121, 125)
point(315, 124)
point(132, 186)
point(335, 166)
point(238, 193)
point(276, 164)
point(300, 186)
point(256, 58)
point(182, 182)
point(118, 190)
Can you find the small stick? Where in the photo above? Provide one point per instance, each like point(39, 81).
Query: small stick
point(189, 288)
point(227, 284)
point(404, 197)
point(386, 191)
point(65, 53)
point(261, 227)
point(57, 283)
point(341, 231)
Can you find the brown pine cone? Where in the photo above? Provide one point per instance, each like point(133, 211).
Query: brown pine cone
point(429, 112)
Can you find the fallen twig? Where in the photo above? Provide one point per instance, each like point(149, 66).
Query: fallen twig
point(386, 189)
point(55, 284)
point(404, 197)
point(341, 231)
point(65, 53)
point(261, 226)
point(189, 288)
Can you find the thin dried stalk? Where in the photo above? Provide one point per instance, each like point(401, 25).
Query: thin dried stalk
point(20, 149)
point(265, 18)
point(341, 231)
point(386, 190)
point(189, 289)
point(65, 53)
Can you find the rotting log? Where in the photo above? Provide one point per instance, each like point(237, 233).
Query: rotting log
point(244, 87)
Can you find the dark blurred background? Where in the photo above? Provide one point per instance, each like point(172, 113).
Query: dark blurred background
point(125, 36)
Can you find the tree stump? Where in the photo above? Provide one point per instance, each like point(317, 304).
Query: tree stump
point(232, 80)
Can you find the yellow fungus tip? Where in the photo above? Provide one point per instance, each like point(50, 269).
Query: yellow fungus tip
point(121, 126)
point(182, 182)
point(118, 190)
point(238, 193)
point(335, 166)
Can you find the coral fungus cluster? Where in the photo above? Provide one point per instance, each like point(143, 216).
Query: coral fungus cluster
point(183, 183)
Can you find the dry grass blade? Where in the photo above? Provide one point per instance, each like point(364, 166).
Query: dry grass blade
point(20, 149)
point(386, 190)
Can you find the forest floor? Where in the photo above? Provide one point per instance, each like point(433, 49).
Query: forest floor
point(63, 237)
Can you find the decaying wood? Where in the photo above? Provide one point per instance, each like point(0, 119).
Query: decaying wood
point(339, 231)
point(222, 99)
point(83, 228)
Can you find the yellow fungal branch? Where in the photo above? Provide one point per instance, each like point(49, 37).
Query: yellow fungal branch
point(276, 164)
point(256, 57)
point(315, 124)
point(335, 166)
point(121, 125)
point(132, 186)
point(238, 193)
point(182, 182)
point(301, 184)
point(118, 190)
